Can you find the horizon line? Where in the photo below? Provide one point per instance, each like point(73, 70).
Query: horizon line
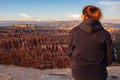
point(52, 20)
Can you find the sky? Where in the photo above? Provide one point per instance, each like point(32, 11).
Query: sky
point(56, 9)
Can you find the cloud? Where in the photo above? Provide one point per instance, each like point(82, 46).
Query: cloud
point(25, 16)
point(109, 3)
point(113, 6)
point(74, 16)
point(111, 10)
point(110, 6)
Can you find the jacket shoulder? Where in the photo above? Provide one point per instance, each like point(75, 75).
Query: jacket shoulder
point(106, 32)
point(73, 30)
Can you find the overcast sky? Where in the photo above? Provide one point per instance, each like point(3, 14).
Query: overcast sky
point(56, 9)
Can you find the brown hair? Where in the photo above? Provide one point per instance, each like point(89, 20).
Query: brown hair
point(91, 11)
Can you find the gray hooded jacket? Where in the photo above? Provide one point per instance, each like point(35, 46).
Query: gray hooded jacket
point(90, 49)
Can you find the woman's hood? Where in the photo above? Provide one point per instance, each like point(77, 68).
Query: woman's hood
point(91, 25)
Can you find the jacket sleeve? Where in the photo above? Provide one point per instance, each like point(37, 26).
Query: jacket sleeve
point(109, 50)
point(70, 43)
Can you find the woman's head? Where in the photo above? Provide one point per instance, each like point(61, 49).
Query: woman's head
point(91, 11)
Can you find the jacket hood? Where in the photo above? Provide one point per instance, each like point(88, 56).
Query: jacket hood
point(91, 25)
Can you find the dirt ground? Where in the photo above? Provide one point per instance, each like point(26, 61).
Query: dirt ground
point(10, 72)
